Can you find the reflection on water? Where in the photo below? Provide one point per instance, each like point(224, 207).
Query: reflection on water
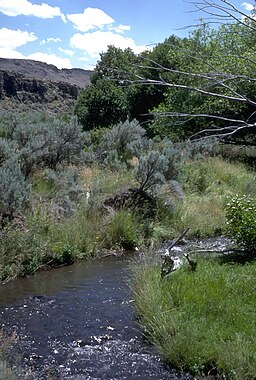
point(78, 323)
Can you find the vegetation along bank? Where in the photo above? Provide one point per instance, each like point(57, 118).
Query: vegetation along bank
point(158, 142)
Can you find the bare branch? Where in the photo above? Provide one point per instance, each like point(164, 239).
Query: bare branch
point(225, 11)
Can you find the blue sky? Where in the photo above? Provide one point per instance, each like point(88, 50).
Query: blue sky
point(72, 33)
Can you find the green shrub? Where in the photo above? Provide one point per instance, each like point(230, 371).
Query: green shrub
point(241, 221)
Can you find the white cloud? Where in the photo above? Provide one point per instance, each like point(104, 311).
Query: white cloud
point(50, 39)
point(120, 28)
point(51, 59)
point(67, 52)
point(248, 7)
point(25, 8)
point(6, 52)
point(90, 19)
point(12, 39)
point(96, 42)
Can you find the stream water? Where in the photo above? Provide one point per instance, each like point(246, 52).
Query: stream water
point(78, 322)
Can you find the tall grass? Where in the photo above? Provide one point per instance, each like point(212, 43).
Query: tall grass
point(202, 322)
point(43, 237)
point(207, 184)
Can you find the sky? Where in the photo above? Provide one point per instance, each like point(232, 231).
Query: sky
point(73, 33)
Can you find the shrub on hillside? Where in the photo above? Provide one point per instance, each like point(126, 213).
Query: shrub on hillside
point(14, 189)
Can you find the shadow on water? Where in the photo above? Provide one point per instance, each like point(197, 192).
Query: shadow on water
point(77, 322)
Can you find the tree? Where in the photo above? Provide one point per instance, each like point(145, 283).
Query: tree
point(214, 83)
point(102, 104)
point(111, 98)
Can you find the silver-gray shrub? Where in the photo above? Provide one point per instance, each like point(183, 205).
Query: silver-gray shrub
point(150, 171)
point(197, 149)
point(67, 190)
point(7, 150)
point(159, 165)
point(14, 189)
point(46, 142)
point(174, 160)
point(124, 141)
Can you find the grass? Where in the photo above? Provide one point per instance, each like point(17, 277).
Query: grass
point(202, 322)
point(43, 238)
point(207, 184)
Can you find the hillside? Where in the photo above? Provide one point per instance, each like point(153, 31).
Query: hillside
point(31, 84)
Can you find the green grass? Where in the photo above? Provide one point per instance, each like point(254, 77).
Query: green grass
point(207, 184)
point(41, 238)
point(203, 322)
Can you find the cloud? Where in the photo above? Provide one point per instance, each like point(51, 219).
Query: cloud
point(96, 42)
point(120, 28)
point(25, 8)
point(50, 39)
point(67, 52)
point(248, 7)
point(51, 59)
point(12, 39)
point(6, 52)
point(91, 18)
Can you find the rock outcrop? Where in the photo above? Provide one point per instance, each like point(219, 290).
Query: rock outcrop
point(30, 82)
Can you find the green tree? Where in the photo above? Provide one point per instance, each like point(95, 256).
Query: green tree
point(116, 92)
point(102, 104)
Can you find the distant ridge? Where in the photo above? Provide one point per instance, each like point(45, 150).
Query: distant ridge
point(45, 72)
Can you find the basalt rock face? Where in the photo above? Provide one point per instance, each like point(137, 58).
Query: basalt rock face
point(31, 82)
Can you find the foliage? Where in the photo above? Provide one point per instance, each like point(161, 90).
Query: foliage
point(150, 171)
point(241, 221)
point(200, 321)
point(114, 94)
point(102, 104)
point(124, 141)
point(14, 190)
point(122, 231)
point(29, 143)
point(209, 61)
point(161, 163)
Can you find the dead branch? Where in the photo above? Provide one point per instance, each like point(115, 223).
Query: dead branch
point(168, 264)
point(224, 11)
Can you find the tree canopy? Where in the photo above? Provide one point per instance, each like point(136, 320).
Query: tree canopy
point(183, 86)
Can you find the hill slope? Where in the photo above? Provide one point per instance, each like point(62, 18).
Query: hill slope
point(34, 84)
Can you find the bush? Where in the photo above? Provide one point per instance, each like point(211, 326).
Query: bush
point(241, 221)
point(43, 142)
point(123, 142)
point(150, 171)
point(14, 189)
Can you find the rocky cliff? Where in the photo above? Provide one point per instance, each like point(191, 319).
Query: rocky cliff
point(31, 82)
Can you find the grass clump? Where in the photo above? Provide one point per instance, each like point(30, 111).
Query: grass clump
point(202, 322)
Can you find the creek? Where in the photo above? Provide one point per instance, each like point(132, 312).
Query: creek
point(77, 322)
